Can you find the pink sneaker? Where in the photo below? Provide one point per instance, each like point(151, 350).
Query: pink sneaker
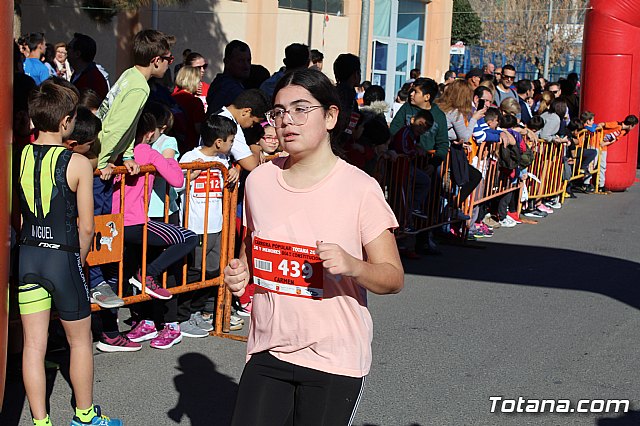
point(117, 344)
point(153, 289)
point(170, 335)
point(145, 330)
point(488, 233)
point(545, 209)
point(245, 310)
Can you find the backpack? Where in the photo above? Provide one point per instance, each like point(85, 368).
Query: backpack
point(526, 157)
point(509, 157)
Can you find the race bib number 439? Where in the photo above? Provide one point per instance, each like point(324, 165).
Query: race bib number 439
point(286, 268)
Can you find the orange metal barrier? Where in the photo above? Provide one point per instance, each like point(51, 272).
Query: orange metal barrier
point(587, 140)
point(108, 243)
point(547, 166)
point(398, 180)
point(494, 183)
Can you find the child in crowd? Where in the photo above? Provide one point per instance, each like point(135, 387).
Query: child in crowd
point(406, 142)
point(246, 110)
point(56, 181)
point(176, 241)
point(586, 157)
point(613, 130)
point(90, 99)
point(268, 143)
point(205, 187)
point(84, 133)
point(509, 167)
point(120, 112)
point(484, 136)
point(168, 147)
point(415, 182)
point(401, 98)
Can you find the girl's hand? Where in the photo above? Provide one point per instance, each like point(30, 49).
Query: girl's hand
point(337, 261)
point(236, 276)
point(233, 177)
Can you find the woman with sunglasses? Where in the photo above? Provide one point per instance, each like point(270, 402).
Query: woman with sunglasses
point(318, 238)
point(196, 60)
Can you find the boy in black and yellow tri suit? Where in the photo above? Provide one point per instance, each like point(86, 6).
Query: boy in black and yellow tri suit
point(56, 204)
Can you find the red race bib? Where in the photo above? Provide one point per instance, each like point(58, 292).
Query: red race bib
point(287, 268)
point(215, 185)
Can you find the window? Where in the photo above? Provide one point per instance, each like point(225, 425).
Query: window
point(411, 17)
point(332, 7)
point(381, 18)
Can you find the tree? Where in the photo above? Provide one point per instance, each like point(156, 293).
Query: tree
point(518, 29)
point(466, 25)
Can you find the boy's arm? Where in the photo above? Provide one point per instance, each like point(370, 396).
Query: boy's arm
point(441, 142)
point(493, 135)
point(80, 171)
point(398, 120)
point(118, 124)
point(168, 168)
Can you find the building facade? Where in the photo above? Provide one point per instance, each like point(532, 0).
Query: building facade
point(403, 34)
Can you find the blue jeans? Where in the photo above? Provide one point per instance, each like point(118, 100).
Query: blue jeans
point(419, 184)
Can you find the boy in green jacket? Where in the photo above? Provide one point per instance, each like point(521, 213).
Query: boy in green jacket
point(423, 96)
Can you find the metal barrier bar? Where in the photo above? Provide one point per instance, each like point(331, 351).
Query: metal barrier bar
point(493, 184)
point(547, 166)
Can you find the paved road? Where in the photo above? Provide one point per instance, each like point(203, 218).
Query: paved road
point(545, 311)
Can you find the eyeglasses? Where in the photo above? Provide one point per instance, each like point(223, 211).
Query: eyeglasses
point(297, 115)
point(554, 91)
point(168, 58)
point(508, 77)
point(270, 138)
point(204, 67)
point(498, 73)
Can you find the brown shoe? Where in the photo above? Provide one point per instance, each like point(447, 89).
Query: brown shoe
point(528, 221)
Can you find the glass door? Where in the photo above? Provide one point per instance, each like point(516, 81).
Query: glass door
point(408, 57)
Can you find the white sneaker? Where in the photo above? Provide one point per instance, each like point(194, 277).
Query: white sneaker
point(507, 222)
point(511, 220)
point(553, 204)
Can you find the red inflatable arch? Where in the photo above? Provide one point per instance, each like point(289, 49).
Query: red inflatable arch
point(611, 79)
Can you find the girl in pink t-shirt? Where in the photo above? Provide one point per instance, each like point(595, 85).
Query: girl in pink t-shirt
point(318, 237)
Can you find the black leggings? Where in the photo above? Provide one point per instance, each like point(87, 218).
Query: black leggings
point(474, 179)
point(178, 242)
point(274, 392)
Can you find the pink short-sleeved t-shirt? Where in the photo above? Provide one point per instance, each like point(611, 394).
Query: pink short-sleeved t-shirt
point(332, 334)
